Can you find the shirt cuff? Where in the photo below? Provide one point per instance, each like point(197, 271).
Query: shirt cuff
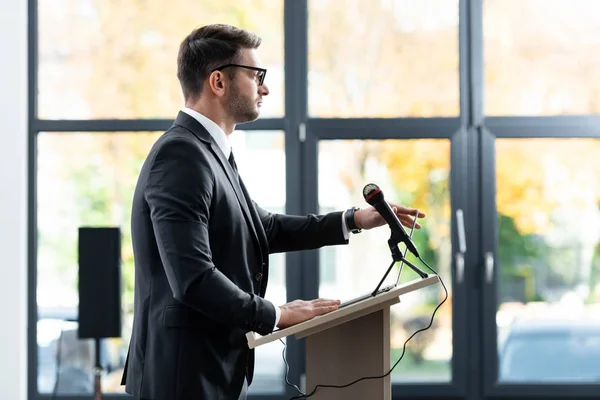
point(277, 315)
point(344, 227)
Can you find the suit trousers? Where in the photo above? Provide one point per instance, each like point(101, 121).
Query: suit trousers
point(243, 394)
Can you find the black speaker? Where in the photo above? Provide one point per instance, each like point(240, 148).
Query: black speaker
point(99, 282)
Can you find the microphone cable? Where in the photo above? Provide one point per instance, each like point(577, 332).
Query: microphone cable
point(303, 395)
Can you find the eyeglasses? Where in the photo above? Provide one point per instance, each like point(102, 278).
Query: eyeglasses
point(261, 71)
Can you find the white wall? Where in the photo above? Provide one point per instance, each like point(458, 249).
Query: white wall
point(13, 199)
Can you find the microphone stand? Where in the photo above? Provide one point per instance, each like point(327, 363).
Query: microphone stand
point(397, 257)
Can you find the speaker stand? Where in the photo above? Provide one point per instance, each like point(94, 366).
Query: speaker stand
point(97, 373)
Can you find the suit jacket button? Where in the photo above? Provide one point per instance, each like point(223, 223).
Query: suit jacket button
point(258, 277)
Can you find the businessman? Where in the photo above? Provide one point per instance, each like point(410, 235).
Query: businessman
point(201, 245)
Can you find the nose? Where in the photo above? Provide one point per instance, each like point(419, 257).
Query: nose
point(263, 90)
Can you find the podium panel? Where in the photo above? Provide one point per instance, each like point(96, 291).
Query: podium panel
point(347, 344)
point(353, 350)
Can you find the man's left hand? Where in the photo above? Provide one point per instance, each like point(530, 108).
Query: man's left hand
point(369, 218)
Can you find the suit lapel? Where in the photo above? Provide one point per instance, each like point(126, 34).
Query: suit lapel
point(202, 134)
point(262, 236)
point(235, 183)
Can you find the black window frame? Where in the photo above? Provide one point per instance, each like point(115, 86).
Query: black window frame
point(472, 136)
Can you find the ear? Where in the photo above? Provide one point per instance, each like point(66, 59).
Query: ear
point(216, 82)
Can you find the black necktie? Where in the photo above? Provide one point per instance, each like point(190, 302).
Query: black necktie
point(255, 220)
point(232, 162)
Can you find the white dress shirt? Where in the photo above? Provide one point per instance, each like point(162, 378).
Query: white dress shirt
point(223, 142)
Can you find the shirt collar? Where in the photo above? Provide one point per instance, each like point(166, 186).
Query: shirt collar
point(215, 130)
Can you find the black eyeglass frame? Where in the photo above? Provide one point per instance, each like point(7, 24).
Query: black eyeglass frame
point(261, 76)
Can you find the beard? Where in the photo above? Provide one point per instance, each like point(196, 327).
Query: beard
point(241, 107)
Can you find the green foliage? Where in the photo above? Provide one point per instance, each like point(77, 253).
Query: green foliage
point(516, 250)
point(517, 254)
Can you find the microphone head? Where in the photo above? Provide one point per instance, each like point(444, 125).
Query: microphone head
point(372, 193)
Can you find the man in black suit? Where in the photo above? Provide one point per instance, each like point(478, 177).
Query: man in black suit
point(202, 246)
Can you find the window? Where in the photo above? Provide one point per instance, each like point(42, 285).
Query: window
point(117, 59)
point(383, 59)
point(88, 179)
point(549, 254)
point(84, 179)
point(541, 57)
point(345, 166)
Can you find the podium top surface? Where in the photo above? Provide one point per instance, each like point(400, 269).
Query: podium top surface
point(342, 315)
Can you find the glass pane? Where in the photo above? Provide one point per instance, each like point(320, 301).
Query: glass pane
point(392, 58)
point(88, 179)
point(411, 172)
point(83, 179)
point(117, 59)
point(261, 158)
point(541, 57)
point(548, 316)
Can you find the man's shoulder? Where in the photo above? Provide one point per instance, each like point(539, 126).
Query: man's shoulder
point(177, 136)
point(181, 146)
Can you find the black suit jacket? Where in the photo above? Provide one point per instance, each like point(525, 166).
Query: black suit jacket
point(201, 251)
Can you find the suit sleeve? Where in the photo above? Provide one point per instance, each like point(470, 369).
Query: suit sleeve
point(179, 194)
point(294, 233)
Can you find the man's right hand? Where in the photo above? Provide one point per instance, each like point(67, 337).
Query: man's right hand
point(301, 310)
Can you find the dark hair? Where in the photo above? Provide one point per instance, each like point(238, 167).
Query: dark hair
point(207, 48)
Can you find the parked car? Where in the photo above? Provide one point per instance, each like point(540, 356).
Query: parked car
point(551, 351)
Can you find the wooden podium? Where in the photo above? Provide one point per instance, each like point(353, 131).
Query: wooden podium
point(348, 344)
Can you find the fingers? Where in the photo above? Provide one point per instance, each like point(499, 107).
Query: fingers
point(407, 210)
point(403, 213)
point(408, 221)
point(326, 307)
point(300, 310)
point(321, 300)
point(325, 302)
point(415, 212)
point(421, 214)
point(303, 304)
point(325, 310)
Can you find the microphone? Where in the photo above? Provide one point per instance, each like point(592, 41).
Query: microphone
point(374, 196)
